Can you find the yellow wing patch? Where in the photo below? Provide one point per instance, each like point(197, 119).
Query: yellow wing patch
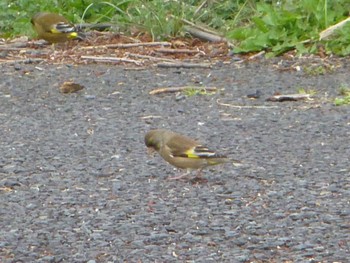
point(55, 31)
point(191, 154)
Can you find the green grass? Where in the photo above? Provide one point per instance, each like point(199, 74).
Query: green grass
point(306, 91)
point(252, 25)
point(318, 69)
point(344, 91)
point(189, 92)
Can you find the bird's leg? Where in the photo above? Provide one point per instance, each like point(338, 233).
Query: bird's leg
point(199, 179)
point(179, 176)
point(199, 173)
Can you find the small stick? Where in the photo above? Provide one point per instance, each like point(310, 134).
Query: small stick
point(25, 61)
point(244, 106)
point(204, 35)
point(257, 55)
point(8, 48)
point(330, 30)
point(200, 7)
point(176, 51)
point(111, 59)
point(196, 26)
point(151, 57)
point(177, 89)
point(129, 45)
point(151, 117)
point(183, 65)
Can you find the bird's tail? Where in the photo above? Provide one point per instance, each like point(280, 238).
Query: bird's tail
point(223, 159)
point(211, 157)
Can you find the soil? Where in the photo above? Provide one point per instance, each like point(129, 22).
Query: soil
point(77, 184)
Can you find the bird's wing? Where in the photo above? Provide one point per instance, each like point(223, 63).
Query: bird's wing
point(62, 27)
point(181, 146)
point(201, 152)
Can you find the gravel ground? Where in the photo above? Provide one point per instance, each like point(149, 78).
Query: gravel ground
point(77, 185)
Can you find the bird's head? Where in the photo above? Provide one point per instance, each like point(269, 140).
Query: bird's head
point(153, 139)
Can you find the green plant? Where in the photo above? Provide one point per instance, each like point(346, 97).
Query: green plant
point(317, 69)
point(253, 25)
point(306, 91)
point(284, 25)
point(191, 91)
point(344, 91)
point(342, 101)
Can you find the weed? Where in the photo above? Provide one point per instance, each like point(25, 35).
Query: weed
point(306, 91)
point(344, 91)
point(189, 92)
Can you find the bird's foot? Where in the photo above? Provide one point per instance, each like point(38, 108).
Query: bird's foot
point(181, 176)
point(199, 180)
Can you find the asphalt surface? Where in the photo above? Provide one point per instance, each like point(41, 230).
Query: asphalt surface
point(77, 184)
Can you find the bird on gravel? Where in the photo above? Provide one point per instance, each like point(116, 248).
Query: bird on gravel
point(182, 151)
point(54, 28)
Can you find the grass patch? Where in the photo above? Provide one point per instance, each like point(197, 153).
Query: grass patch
point(252, 25)
point(315, 70)
point(189, 92)
point(306, 91)
point(344, 91)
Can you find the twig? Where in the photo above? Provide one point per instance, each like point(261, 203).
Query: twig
point(202, 32)
point(329, 31)
point(98, 27)
point(178, 89)
point(151, 117)
point(10, 48)
point(198, 32)
point(244, 106)
point(25, 61)
point(200, 7)
point(196, 26)
point(257, 55)
point(183, 65)
point(111, 59)
point(129, 45)
point(176, 51)
point(150, 57)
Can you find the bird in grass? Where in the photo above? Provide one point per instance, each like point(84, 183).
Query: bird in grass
point(54, 28)
point(182, 151)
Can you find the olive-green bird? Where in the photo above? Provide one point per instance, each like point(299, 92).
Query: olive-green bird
point(54, 28)
point(182, 151)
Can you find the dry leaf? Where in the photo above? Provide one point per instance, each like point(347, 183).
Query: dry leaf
point(70, 87)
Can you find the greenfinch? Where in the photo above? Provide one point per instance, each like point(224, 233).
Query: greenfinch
point(54, 28)
point(182, 151)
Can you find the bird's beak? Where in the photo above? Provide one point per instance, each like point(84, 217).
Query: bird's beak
point(151, 151)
